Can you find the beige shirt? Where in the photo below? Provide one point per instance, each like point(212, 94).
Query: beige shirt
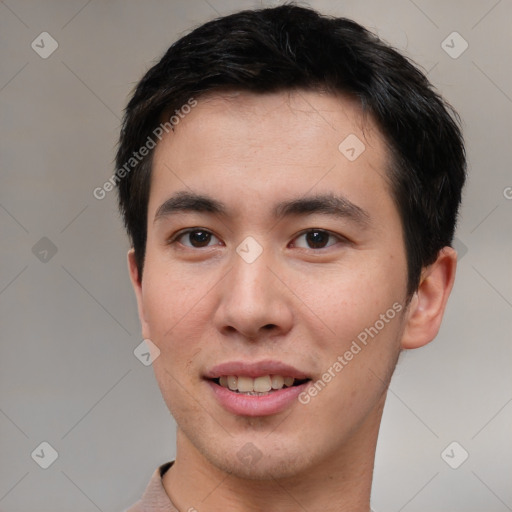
point(155, 498)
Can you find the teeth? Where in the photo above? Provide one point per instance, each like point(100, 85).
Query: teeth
point(263, 384)
point(232, 383)
point(288, 381)
point(277, 382)
point(245, 384)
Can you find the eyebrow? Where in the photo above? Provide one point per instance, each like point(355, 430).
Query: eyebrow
point(189, 202)
point(326, 204)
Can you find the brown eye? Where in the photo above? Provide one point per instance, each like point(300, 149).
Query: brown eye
point(197, 238)
point(315, 239)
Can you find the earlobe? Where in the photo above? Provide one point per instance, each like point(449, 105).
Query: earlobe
point(137, 288)
point(428, 304)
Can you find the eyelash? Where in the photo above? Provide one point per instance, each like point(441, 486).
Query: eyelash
point(176, 238)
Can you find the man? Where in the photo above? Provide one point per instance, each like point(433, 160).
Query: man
point(290, 185)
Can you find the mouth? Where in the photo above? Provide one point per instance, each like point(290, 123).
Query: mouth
point(257, 388)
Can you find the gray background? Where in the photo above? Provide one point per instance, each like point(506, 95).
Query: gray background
point(68, 374)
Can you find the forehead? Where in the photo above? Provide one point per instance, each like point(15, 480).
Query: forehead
point(289, 116)
point(284, 143)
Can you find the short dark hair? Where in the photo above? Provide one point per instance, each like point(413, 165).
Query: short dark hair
point(291, 47)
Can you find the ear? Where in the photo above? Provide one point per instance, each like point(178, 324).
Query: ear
point(137, 288)
point(426, 309)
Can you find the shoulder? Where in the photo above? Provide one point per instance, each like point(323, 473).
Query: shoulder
point(155, 498)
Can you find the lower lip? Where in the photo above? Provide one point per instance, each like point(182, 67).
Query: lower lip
point(253, 405)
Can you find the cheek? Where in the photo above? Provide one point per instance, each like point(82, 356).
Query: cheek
point(176, 313)
point(352, 297)
point(175, 310)
point(172, 290)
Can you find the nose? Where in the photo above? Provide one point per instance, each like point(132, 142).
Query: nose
point(254, 302)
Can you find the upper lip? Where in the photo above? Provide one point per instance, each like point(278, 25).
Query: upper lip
point(254, 369)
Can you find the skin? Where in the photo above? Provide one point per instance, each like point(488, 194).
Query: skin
point(297, 304)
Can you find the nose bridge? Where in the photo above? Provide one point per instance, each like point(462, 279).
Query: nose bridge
point(252, 278)
point(252, 298)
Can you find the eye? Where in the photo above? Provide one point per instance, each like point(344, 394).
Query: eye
point(196, 238)
point(315, 239)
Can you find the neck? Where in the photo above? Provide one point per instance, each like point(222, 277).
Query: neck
point(341, 482)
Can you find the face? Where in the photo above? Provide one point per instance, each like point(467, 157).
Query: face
point(271, 254)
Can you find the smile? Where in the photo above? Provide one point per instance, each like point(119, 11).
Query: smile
point(259, 386)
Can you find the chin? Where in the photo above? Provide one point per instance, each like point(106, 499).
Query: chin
point(266, 462)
